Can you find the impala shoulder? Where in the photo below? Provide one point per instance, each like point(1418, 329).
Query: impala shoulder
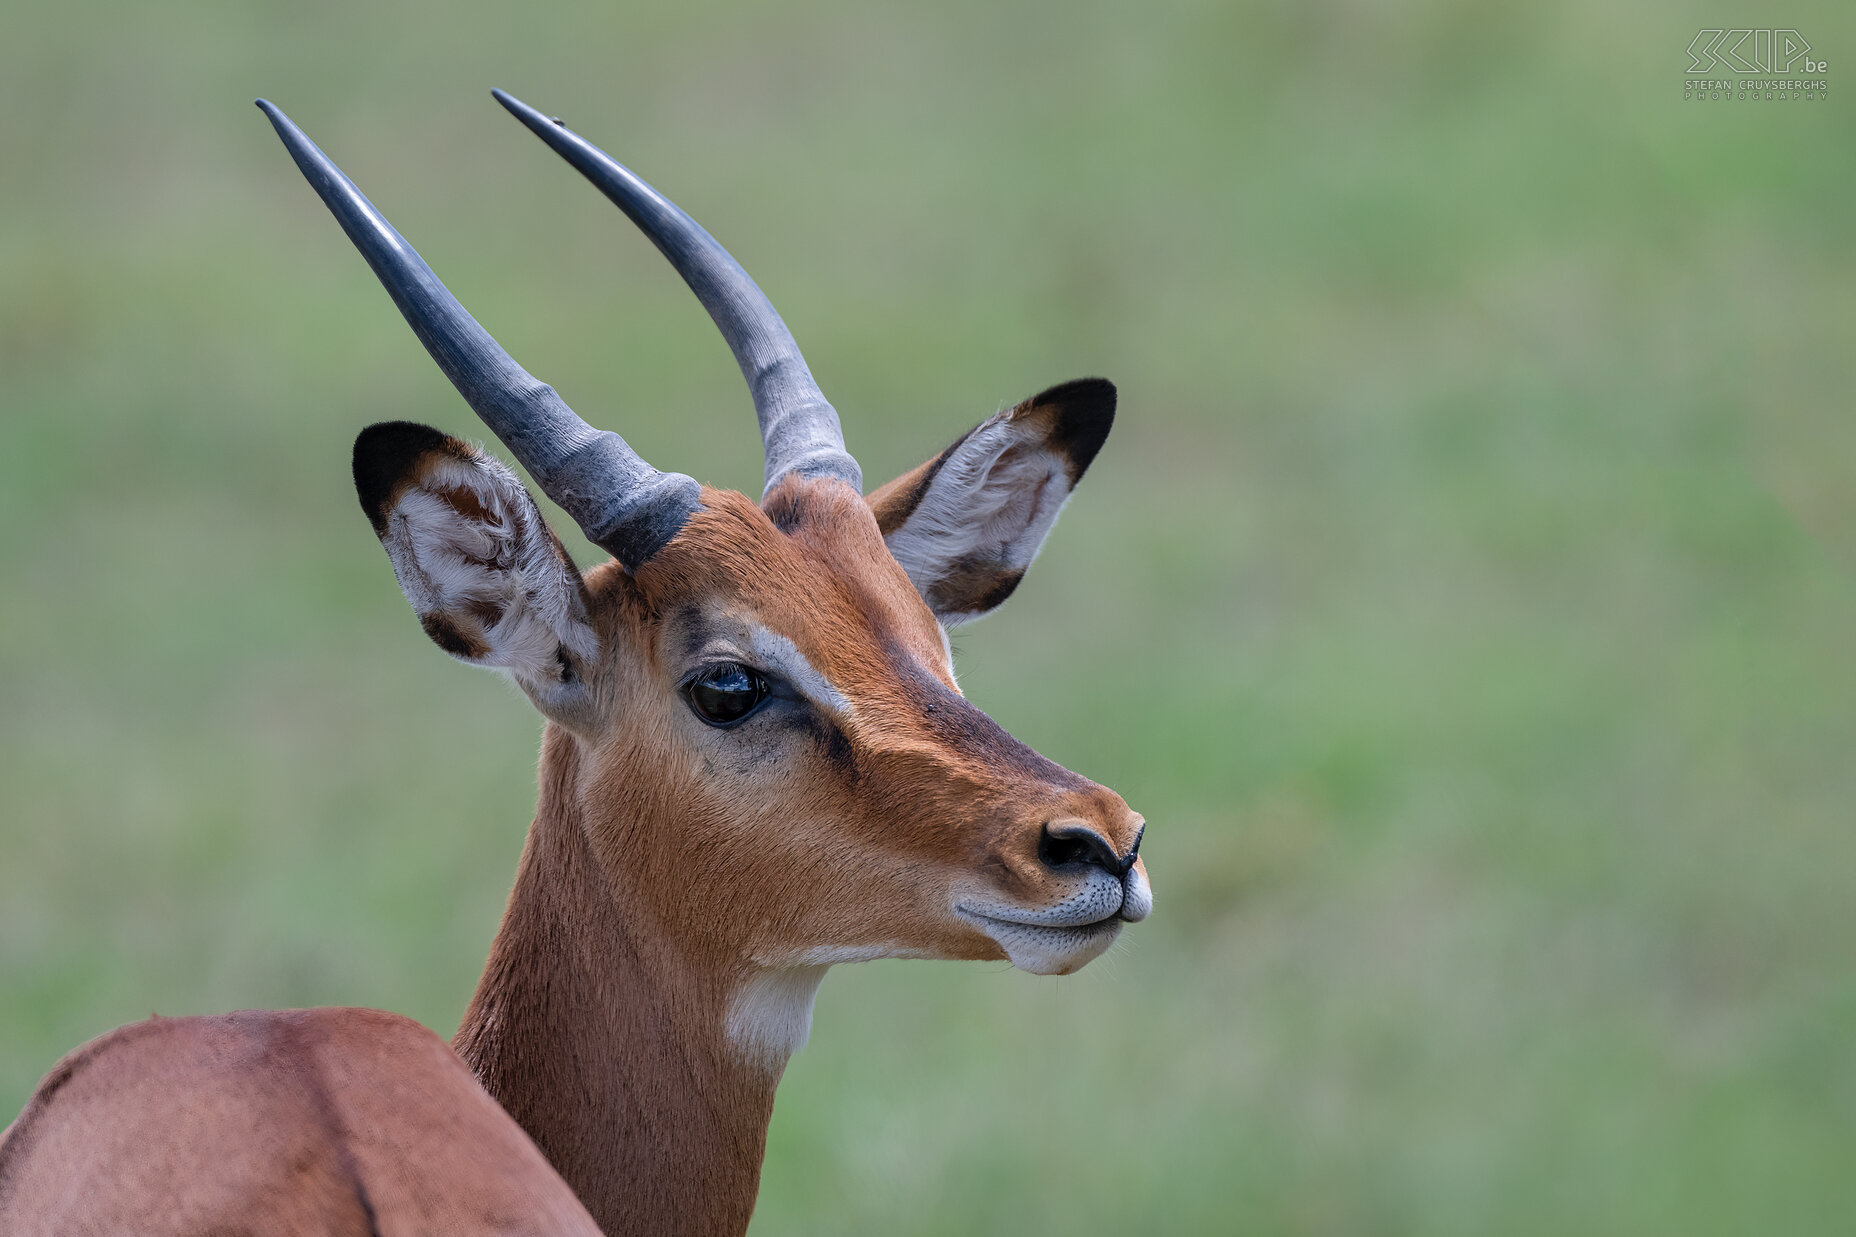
point(103, 1051)
point(91, 1073)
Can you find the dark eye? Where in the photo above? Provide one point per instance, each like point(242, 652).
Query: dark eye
point(724, 694)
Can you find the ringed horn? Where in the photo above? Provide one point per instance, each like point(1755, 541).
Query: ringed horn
point(624, 505)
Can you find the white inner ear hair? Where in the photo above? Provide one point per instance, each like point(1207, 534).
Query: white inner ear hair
point(469, 548)
point(994, 500)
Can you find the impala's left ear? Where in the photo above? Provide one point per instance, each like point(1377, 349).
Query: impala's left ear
point(966, 524)
point(489, 580)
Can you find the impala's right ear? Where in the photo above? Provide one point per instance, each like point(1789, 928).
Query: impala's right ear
point(489, 580)
point(966, 524)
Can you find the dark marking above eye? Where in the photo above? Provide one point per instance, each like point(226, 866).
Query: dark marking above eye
point(686, 628)
point(787, 507)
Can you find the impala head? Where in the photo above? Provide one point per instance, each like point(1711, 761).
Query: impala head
point(774, 755)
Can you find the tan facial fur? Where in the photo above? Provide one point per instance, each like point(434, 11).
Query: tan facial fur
point(854, 817)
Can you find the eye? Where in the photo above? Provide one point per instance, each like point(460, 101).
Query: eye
point(723, 694)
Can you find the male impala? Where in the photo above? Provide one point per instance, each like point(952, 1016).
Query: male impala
point(756, 764)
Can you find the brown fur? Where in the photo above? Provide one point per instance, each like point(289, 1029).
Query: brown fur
point(975, 583)
point(345, 1122)
point(642, 901)
point(668, 864)
point(452, 638)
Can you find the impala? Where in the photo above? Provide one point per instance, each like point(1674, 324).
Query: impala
point(756, 764)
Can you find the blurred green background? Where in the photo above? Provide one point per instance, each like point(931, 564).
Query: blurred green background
point(1465, 595)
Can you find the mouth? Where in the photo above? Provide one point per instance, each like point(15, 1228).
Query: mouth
point(1038, 925)
point(1065, 936)
point(1046, 948)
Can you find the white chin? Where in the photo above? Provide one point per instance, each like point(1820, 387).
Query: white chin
point(1052, 951)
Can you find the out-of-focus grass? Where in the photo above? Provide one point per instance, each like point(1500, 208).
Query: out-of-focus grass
point(1464, 596)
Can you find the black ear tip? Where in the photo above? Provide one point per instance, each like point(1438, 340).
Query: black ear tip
point(1085, 414)
point(1080, 389)
point(384, 455)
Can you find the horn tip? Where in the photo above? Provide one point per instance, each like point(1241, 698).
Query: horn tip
point(286, 128)
point(514, 105)
point(526, 114)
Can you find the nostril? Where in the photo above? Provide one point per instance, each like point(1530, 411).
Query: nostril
point(1071, 844)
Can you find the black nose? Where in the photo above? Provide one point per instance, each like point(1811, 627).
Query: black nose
point(1070, 843)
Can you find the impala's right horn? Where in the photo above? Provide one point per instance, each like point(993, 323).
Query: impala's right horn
point(624, 505)
point(798, 427)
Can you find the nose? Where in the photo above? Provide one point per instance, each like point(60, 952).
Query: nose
point(1071, 843)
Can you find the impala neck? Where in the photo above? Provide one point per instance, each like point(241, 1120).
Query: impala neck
point(610, 1046)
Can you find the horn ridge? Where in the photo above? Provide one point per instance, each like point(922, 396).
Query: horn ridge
point(800, 431)
point(624, 505)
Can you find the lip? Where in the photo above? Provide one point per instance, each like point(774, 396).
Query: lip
point(1091, 903)
point(1046, 948)
point(1021, 925)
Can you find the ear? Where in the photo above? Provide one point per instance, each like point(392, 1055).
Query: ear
point(486, 575)
point(966, 524)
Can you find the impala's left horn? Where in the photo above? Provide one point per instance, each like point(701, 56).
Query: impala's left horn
point(622, 503)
